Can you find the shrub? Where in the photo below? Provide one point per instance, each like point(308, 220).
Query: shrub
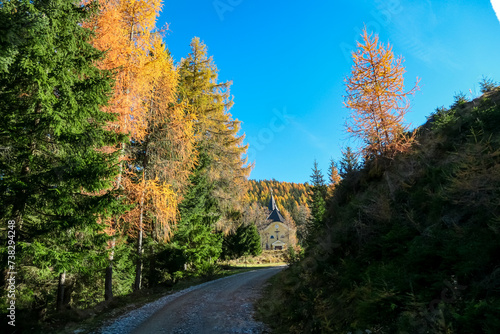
point(459, 99)
point(487, 84)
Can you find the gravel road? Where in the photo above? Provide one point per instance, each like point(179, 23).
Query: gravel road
point(221, 306)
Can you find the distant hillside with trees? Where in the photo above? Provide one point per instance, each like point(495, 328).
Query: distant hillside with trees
point(291, 198)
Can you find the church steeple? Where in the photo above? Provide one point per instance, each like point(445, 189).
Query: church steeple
point(274, 212)
point(272, 203)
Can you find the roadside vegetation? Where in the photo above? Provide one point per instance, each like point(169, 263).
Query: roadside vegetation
point(408, 240)
point(120, 169)
point(408, 245)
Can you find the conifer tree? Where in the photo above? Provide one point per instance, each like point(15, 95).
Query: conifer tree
point(208, 102)
point(317, 204)
point(57, 178)
point(123, 29)
point(160, 150)
point(199, 212)
point(333, 177)
point(376, 96)
point(348, 163)
point(244, 241)
point(164, 157)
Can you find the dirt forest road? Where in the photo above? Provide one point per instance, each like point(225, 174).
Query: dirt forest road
point(222, 306)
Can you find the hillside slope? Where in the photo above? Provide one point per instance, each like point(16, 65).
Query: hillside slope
point(287, 194)
point(411, 245)
point(291, 199)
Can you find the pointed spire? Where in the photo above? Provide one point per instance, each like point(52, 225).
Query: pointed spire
point(274, 214)
point(272, 203)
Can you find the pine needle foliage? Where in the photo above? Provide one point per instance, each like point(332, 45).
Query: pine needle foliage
point(208, 102)
point(197, 238)
point(56, 178)
point(317, 202)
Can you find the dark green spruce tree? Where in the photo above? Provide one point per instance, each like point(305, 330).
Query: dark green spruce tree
point(55, 178)
point(196, 237)
point(244, 241)
point(349, 163)
point(317, 202)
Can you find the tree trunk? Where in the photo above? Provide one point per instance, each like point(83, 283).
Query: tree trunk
point(153, 277)
point(60, 291)
point(108, 281)
point(122, 155)
point(138, 268)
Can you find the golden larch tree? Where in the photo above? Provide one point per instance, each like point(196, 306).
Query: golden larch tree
point(144, 100)
point(333, 177)
point(376, 96)
point(164, 158)
point(208, 102)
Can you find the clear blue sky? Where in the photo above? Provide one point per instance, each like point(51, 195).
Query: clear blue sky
point(288, 59)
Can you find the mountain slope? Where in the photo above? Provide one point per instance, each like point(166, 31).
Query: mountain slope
point(291, 199)
point(409, 245)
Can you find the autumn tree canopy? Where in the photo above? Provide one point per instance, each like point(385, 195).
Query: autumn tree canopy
point(376, 96)
point(208, 101)
point(110, 153)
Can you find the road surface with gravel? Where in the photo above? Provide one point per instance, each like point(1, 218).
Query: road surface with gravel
point(221, 306)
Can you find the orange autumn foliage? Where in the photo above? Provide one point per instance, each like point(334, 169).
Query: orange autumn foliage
point(144, 100)
point(376, 96)
point(123, 29)
point(168, 152)
point(170, 133)
point(157, 199)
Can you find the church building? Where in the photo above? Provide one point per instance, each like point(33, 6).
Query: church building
point(277, 234)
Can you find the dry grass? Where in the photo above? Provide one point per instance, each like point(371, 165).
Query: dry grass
point(268, 258)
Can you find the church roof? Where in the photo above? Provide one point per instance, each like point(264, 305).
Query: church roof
point(275, 214)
